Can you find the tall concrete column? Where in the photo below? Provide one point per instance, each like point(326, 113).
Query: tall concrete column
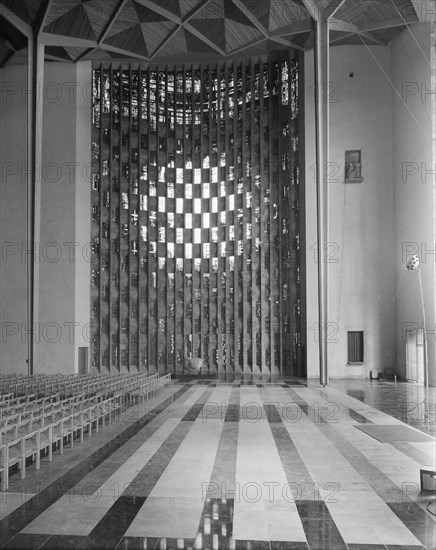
point(34, 158)
point(322, 122)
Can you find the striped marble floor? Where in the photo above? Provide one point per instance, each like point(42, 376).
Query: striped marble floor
point(211, 464)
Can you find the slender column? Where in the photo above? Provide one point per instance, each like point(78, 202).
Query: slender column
point(321, 118)
point(35, 80)
point(431, 353)
point(424, 334)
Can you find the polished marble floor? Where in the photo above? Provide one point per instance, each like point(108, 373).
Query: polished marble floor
point(240, 464)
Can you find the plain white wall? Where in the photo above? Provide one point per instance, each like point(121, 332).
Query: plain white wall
point(63, 245)
point(13, 219)
point(361, 216)
point(65, 216)
point(414, 185)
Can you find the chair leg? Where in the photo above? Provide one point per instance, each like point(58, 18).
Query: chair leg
point(23, 466)
point(5, 476)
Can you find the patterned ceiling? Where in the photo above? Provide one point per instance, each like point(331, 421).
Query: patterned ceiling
point(171, 31)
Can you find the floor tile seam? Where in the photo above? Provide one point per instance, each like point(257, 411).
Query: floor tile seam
point(345, 412)
point(363, 408)
point(351, 473)
point(345, 409)
point(341, 442)
point(150, 454)
point(139, 444)
point(363, 445)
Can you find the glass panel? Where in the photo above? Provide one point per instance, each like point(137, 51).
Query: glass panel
point(226, 158)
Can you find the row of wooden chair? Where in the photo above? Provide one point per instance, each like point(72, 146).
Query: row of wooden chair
point(22, 399)
point(50, 414)
point(146, 390)
point(43, 384)
point(26, 388)
point(17, 409)
point(29, 412)
point(104, 384)
point(68, 385)
point(20, 381)
point(5, 397)
point(16, 404)
point(24, 443)
point(40, 424)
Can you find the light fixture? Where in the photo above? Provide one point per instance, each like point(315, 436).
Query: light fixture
point(413, 265)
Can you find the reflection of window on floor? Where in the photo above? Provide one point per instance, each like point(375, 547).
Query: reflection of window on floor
point(355, 347)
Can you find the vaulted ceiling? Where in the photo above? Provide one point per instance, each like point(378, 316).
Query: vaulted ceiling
point(171, 31)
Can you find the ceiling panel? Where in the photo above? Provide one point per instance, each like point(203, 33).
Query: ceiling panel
point(176, 45)
point(74, 23)
point(259, 10)
point(18, 8)
point(286, 11)
point(58, 8)
point(186, 6)
point(194, 44)
point(100, 13)
point(130, 40)
point(159, 29)
point(213, 30)
point(124, 20)
point(173, 6)
point(154, 34)
point(237, 35)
